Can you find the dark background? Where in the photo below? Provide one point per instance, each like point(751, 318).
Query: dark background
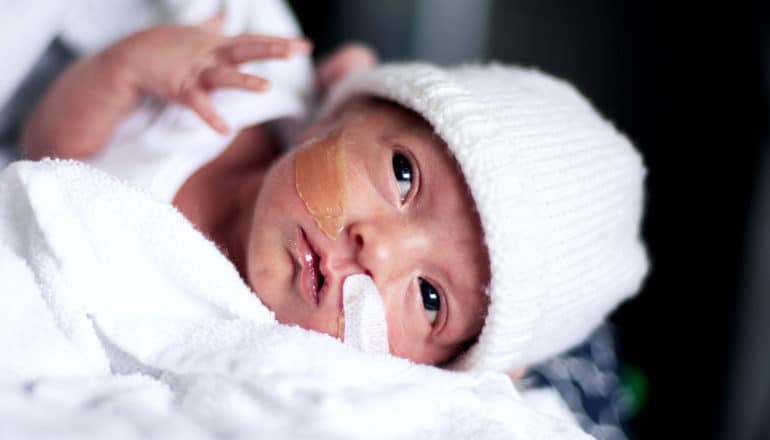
point(688, 84)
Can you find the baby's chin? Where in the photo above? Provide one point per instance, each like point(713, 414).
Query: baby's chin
point(312, 324)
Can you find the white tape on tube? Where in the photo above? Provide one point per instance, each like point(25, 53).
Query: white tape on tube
point(365, 326)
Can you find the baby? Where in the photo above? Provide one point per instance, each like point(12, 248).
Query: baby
point(496, 212)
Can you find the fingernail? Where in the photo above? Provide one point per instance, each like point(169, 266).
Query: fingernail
point(301, 46)
point(256, 83)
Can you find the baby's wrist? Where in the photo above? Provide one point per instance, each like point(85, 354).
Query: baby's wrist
point(118, 72)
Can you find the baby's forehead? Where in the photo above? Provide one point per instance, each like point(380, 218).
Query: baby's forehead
point(392, 115)
point(393, 122)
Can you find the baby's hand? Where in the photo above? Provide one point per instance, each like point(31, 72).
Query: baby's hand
point(185, 63)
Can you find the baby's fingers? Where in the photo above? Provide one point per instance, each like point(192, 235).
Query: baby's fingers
point(249, 47)
point(226, 76)
point(198, 101)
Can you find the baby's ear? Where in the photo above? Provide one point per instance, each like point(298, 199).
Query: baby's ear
point(344, 60)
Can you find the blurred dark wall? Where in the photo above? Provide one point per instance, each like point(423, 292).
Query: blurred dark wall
point(386, 26)
point(686, 84)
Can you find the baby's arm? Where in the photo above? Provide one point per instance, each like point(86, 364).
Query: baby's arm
point(78, 114)
point(175, 63)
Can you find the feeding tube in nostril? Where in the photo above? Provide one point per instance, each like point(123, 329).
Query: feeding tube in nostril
point(322, 182)
point(363, 325)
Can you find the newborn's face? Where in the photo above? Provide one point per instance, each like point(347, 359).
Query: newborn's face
point(385, 199)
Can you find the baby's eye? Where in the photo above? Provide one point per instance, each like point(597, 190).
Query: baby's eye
point(403, 171)
point(431, 300)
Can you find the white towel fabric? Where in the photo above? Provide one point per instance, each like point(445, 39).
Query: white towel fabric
point(120, 320)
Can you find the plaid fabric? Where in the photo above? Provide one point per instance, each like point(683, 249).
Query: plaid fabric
point(588, 379)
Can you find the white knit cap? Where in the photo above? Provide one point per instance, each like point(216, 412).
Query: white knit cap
point(558, 190)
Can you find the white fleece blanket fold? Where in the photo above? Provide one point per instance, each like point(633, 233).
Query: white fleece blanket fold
point(121, 321)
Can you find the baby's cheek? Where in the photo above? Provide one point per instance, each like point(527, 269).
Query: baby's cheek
point(407, 333)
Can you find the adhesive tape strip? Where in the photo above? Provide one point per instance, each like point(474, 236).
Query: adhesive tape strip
point(366, 328)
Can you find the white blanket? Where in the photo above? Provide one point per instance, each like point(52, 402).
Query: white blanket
point(120, 320)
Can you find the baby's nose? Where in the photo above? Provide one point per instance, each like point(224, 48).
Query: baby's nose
point(387, 249)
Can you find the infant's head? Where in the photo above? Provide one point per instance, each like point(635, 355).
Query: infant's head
point(371, 189)
point(493, 208)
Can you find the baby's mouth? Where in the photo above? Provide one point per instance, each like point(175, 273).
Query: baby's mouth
point(321, 277)
point(315, 280)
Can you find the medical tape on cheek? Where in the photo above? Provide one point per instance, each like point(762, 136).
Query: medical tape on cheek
point(321, 181)
point(363, 323)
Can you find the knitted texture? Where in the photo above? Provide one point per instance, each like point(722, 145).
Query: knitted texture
point(558, 190)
